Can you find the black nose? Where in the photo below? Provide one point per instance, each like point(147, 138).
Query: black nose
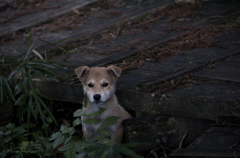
point(97, 97)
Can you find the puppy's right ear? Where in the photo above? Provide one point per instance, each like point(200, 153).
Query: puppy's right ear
point(82, 71)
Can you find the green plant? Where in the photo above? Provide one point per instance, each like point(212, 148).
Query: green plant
point(6, 93)
point(16, 143)
point(16, 84)
point(100, 147)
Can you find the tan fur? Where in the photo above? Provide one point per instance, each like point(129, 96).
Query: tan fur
point(93, 80)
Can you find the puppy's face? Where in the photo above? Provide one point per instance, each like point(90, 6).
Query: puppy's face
point(98, 82)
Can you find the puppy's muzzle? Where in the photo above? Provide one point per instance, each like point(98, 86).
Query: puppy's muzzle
point(97, 97)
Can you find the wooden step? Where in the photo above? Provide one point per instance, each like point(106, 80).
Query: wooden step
point(220, 141)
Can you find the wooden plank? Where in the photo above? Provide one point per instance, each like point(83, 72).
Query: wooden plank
point(120, 56)
point(92, 25)
point(37, 18)
point(217, 142)
point(169, 130)
point(228, 70)
point(191, 62)
point(204, 101)
point(204, 153)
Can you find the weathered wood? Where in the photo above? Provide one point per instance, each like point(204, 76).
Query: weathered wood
point(37, 18)
point(190, 62)
point(169, 130)
point(228, 71)
point(218, 142)
point(204, 101)
point(231, 116)
point(92, 25)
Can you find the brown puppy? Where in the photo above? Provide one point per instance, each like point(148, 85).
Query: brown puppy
point(99, 84)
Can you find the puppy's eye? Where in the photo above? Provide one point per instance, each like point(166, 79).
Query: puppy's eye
point(90, 85)
point(105, 84)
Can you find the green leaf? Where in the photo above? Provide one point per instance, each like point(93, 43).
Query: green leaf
point(14, 72)
point(45, 142)
point(77, 122)
point(85, 100)
point(29, 38)
point(109, 121)
point(8, 132)
point(101, 110)
point(11, 126)
point(21, 100)
point(3, 153)
point(29, 110)
point(21, 110)
point(24, 80)
point(63, 128)
point(7, 139)
point(58, 141)
point(36, 71)
point(46, 108)
point(9, 90)
point(1, 89)
point(53, 44)
point(68, 140)
point(18, 88)
point(25, 125)
point(78, 113)
point(55, 136)
point(40, 111)
point(29, 79)
point(24, 145)
point(91, 121)
point(128, 152)
point(49, 119)
point(104, 132)
point(68, 130)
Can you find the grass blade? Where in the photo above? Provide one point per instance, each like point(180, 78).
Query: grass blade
point(9, 90)
point(46, 108)
point(40, 110)
point(24, 80)
point(1, 89)
point(29, 111)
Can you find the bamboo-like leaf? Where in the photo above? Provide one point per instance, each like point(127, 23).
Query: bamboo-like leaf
point(9, 90)
point(54, 44)
point(40, 110)
point(46, 108)
point(20, 99)
point(29, 110)
point(43, 96)
point(43, 70)
point(35, 71)
point(29, 78)
point(128, 152)
point(29, 50)
point(41, 63)
point(29, 38)
point(18, 88)
point(14, 72)
point(1, 89)
point(24, 80)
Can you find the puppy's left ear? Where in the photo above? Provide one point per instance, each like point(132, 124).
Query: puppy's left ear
point(114, 71)
point(82, 71)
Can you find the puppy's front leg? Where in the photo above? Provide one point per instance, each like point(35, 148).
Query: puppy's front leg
point(117, 135)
